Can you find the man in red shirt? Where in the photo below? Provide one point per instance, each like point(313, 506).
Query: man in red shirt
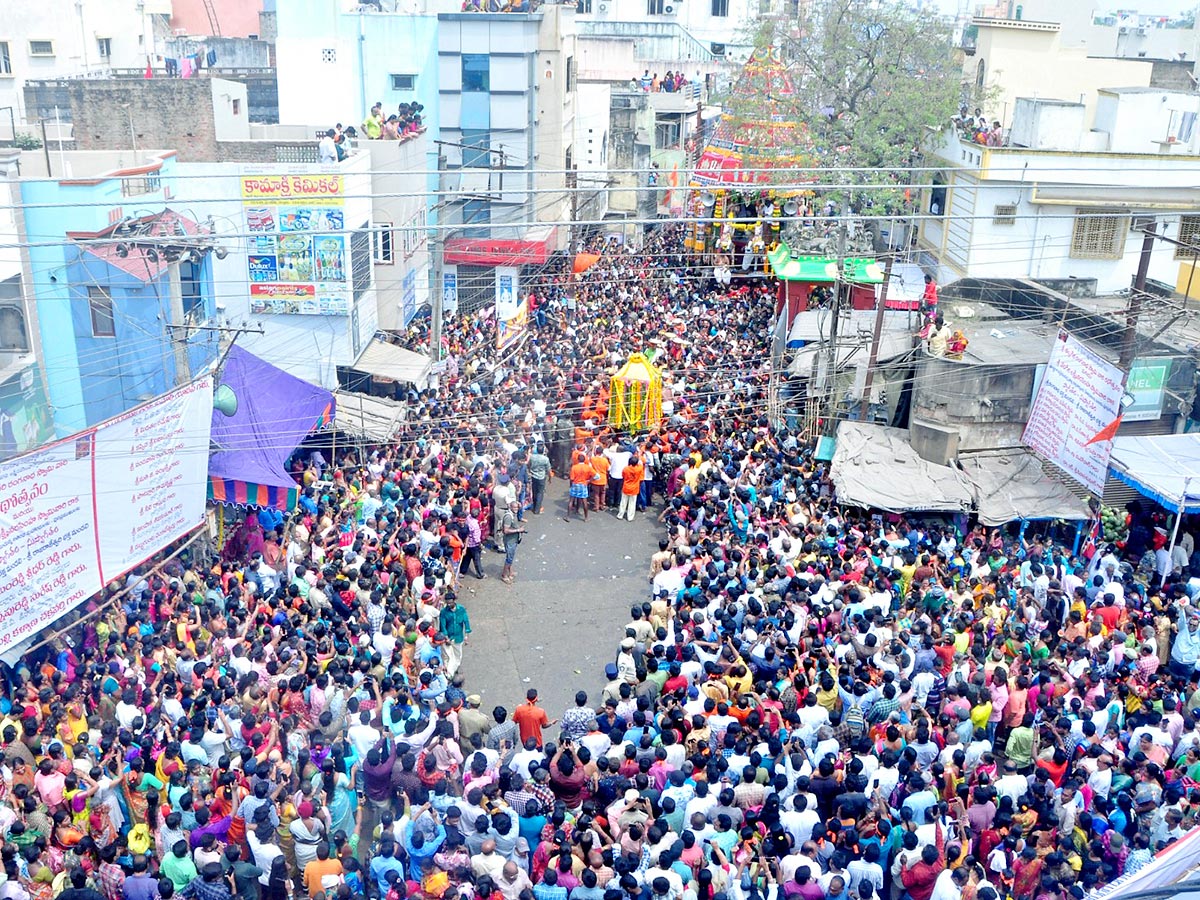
point(920, 878)
point(531, 718)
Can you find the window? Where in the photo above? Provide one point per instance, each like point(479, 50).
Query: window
point(237, 106)
point(1189, 233)
point(404, 82)
point(570, 74)
point(12, 328)
point(666, 133)
point(583, 7)
point(104, 47)
point(937, 196)
point(190, 283)
point(1100, 235)
point(1004, 214)
point(101, 305)
point(655, 7)
point(382, 247)
point(360, 260)
point(41, 48)
point(720, 8)
point(475, 213)
point(5, 59)
point(476, 144)
point(476, 73)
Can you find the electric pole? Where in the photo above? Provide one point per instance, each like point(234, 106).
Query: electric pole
point(830, 380)
point(1134, 310)
point(436, 294)
point(876, 335)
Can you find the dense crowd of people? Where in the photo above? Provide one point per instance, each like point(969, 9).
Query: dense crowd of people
point(807, 703)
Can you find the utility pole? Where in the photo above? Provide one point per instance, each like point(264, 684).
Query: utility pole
point(831, 365)
point(876, 335)
point(179, 336)
point(573, 188)
point(1134, 310)
point(435, 292)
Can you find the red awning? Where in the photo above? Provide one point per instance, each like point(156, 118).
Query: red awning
point(532, 250)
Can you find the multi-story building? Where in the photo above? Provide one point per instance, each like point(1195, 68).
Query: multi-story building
point(1010, 58)
point(120, 281)
point(507, 96)
point(73, 38)
point(498, 91)
point(24, 422)
point(1065, 200)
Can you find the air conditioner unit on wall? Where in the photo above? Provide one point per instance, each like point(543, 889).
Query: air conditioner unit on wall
point(669, 9)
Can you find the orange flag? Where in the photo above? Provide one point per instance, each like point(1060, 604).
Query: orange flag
point(1108, 432)
point(584, 261)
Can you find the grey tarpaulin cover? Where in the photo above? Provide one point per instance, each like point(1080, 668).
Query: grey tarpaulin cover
point(876, 467)
point(1013, 486)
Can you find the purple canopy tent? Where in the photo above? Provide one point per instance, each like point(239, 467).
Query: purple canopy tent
point(274, 412)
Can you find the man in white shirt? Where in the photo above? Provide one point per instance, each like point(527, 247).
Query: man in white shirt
point(326, 148)
point(363, 736)
point(1010, 784)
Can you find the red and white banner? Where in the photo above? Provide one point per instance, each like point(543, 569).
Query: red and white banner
point(81, 512)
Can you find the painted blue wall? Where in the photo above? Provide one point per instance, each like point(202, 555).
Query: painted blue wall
point(89, 378)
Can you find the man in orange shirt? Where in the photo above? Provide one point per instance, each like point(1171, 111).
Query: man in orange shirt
point(599, 464)
point(631, 484)
point(581, 477)
point(530, 718)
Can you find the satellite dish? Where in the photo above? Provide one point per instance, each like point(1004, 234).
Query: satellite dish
point(225, 401)
point(709, 199)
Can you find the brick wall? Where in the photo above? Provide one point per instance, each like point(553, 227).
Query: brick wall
point(166, 112)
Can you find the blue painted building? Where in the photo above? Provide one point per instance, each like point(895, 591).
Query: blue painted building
point(336, 59)
point(110, 331)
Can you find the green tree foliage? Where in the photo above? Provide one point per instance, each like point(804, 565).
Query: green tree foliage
point(874, 75)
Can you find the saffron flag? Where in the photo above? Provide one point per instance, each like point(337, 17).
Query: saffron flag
point(1107, 433)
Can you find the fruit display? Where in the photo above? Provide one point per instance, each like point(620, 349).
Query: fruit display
point(1114, 524)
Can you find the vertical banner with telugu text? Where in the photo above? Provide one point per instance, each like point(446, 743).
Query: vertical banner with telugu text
point(512, 313)
point(296, 258)
point(153, 485)
point(49, 556)
point(84, 511)
point(1079, 395)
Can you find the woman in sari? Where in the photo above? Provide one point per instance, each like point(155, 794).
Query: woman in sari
point(340, 798)
point(138, 783)
point(307, 831)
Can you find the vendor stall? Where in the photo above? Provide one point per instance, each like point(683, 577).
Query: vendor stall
point(267, 414)
point(1012, 486)
point(804, 280)
point(876, 468)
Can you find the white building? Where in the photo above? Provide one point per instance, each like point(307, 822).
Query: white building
point(1063, 200)
point(71, 39)
point(672, 32)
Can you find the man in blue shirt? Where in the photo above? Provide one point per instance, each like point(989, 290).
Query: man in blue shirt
point(419, 849)
point(383, 863)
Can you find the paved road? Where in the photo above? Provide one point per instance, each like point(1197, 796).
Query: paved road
point(556, 627)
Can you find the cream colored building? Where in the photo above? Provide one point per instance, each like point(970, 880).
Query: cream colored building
point(1017, 58)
